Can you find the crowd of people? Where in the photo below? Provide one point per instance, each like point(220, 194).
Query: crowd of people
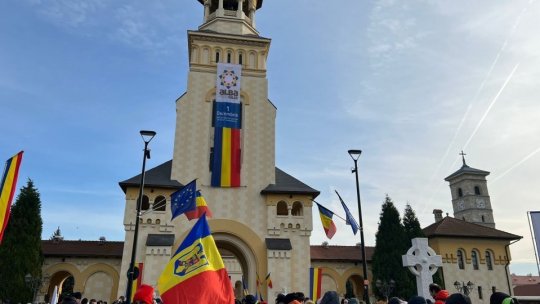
point(145, 295)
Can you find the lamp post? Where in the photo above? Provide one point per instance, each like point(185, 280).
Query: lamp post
point(385, 287)
point(132, 274)
point(355, 154)
point(34, 284)
point(464, 288)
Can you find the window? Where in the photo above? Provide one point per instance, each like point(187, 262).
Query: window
point(483, 219)
point(489, 262)
point(477, 190)
point(145, 203)
point(230, 5)
point(217, 56)
point(461, 263)
point(228, 57)
point(282, 208)
point(474, 257)
point(480, 295)
point(160, 203)
point(240, 57)
point(297, 209)
point(460, 192)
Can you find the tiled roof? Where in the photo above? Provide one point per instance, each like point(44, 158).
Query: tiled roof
point(287, 184)
point(527, 290)
point(340, 253)
point(466, 170)
point(525, 280)
point(160, 176)
point(82, 248)
point(452, 227)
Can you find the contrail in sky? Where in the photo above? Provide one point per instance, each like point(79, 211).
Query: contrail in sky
point(533, 153)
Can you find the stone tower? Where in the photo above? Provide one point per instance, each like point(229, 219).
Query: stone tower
point(470, 197)
point(263, 223)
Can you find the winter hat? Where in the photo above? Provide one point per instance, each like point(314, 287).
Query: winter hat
point(145, 294)
point(458, 298)
point(280, 298)
point(330, 297)
point(417, 300)
point(250, 299)
point(502, 298)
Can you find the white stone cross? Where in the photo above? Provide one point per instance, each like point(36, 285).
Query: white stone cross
point(423, 262)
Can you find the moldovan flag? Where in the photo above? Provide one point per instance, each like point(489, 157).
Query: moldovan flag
point(200, 208)
point(8, 184)
point(327, 222)
point(315, 279)
point(196, 273)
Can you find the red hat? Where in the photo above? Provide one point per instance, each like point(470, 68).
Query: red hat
point(145, 294)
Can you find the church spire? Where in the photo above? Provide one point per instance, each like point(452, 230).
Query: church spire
point(463, 158)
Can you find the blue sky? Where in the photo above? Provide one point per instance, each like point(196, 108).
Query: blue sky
point(411, 83)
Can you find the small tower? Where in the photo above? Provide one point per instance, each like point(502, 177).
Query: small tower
point(470, 197)
point(230, 16)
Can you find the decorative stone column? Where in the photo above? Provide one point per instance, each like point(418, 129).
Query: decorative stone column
point(239, 12)
point(220, 11)
point(206, 10)
point(252, 9)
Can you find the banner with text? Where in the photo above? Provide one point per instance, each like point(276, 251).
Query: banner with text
point(227, 125)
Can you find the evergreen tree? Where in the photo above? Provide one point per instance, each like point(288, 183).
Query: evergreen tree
point(411, 225)
point(20, 251)
point(412, 229)
point(390, 245)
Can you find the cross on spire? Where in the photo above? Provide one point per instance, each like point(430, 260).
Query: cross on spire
point(463, 157)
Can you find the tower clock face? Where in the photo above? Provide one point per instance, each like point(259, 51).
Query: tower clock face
point(480, 203)
point(460, 205)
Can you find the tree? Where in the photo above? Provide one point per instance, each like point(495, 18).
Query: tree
point(20, 251)
point(390, 245)
point(412, 229)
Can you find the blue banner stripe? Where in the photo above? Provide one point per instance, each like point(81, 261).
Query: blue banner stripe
point(4, 176)
point(218, 152)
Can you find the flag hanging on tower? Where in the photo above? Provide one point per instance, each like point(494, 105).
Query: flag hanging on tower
point(196, 273)
point(8, 185)
point(349, 219)
point(327, 222)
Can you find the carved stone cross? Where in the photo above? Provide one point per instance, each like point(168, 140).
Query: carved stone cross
point(423, 262)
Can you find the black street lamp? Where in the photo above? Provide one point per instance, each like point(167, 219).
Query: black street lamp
point(385, 287)
point(132, 273)
point(355, 154)
point(34, 284)
point(464, 288)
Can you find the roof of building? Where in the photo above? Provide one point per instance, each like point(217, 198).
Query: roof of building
point(259, 3)
point(340, 253)
point(466, 170)
point(287, 184)
point(527, 290)
point(525, 280)
point(63, 248)
point(452, 227)
point(160, 176)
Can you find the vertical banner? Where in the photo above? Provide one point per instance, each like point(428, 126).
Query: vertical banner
point(8, 185)
point(315, 278)
point(535, 221)
point(227, 126)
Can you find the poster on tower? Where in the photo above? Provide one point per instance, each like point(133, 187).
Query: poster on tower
point(227, 125)
point(228, 81)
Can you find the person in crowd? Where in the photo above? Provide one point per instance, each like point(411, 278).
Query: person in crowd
point(93, 301)
point(502, 298)
point(439, 295)
point(144, 295)
point(69, 299)
point(458, 298)
point(280, 299)
point(84, 301)
point(330, 297)
point(250, 299)
point(344, 301)
point(417, 300)
point(77, 295)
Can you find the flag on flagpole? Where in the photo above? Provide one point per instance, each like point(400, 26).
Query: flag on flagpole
point(184, 200)
point(196, 273)
point(244, 287)
point(137, 283)
point(327, 222)
point(200, 208)
point(315, 279)
point(8, 185)
point(268, 280)
point(349, 219)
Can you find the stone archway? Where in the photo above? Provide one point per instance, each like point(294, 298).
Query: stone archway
point(103, 272)
point(57, 274)
point(355, 282)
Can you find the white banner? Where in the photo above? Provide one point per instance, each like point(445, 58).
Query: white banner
point(535, 220)
point(228, 81)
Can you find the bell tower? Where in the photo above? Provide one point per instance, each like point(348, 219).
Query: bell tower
point(230, 16)
point(470, 197)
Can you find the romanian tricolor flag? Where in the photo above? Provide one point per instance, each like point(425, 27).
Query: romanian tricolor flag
point(196, 273)
point(8, 185)
point(327, 222)
point(200, 208)
point(226, 163)
point(315, 279)
point(137, 283)
point(268, 280)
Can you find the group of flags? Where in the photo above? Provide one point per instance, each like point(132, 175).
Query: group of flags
point(328, 222)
